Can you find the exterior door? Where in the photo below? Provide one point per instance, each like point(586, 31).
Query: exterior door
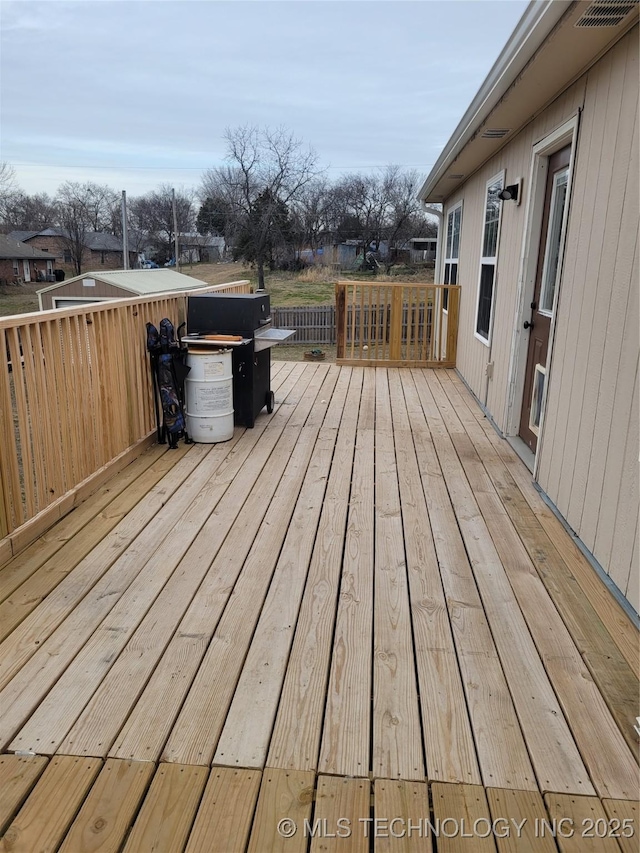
point(26, 269)
point(547, 277)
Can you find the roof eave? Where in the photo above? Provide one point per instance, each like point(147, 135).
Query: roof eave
point(537, 22)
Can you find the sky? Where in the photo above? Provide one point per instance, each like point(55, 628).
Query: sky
point(134, 93)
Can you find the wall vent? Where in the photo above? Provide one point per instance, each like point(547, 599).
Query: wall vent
point(495, 133)
point(605, 13)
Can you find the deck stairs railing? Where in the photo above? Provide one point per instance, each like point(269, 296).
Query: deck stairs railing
point(396, 324)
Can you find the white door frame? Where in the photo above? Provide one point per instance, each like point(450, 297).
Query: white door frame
point(564, 135)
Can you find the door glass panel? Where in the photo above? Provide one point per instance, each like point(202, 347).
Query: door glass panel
point(554, 240)
point(536, 398)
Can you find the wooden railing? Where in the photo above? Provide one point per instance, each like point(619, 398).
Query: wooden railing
point(397, 324)
point(75, 394)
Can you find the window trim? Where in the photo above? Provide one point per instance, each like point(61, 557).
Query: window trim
point(488, 261)
point(451, 211)
point(548, 312)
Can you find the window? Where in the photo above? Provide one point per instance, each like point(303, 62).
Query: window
point(16, 268)
point(537, 394)
point(490, 235)
point(554, 240)
point(67, 257)
point(452, 250)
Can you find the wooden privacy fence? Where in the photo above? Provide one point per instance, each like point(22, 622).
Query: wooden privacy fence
point(75, 394)
point(314, 324)
point(396, 323)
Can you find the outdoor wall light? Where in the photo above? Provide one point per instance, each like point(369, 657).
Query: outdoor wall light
point(511, 193)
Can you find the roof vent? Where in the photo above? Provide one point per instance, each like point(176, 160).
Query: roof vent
point(605, 13)
point(494, 133)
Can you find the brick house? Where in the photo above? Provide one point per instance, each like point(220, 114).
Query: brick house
point(21, 263)
point(102, 250)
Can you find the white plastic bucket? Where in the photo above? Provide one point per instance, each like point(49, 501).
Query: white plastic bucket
point(209, 396)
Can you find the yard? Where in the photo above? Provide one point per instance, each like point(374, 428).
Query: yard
point(315, 286)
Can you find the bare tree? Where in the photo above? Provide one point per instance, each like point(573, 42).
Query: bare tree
point(404, 215)
point(8, 185)
point(378, 208)
point(312, 214)
point(152, 215)
point(24, 212)
point(100, 201)
point(266, 172)
point(74, 221)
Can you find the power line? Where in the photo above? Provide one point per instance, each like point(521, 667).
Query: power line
point(203, 168)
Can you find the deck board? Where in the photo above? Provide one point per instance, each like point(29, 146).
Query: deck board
point(612, 768)
point(355, 609)
point(397, 748)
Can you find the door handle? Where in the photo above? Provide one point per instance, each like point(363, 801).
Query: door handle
point(528, 325)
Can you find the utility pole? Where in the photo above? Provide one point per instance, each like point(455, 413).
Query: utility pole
point(175, 230)
point(125, 236)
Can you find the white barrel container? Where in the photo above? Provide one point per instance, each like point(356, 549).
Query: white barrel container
point(209, 395)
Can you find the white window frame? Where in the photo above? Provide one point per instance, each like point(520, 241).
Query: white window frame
point(488, 261)
point(451, 212)
point(548, 312)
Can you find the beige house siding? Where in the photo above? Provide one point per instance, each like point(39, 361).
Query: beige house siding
point(515, 160)
point(77, 290)
point(587, 459)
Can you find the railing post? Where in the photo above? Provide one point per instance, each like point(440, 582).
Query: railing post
point(340, 319)
point(395, 330)
point(452, 324)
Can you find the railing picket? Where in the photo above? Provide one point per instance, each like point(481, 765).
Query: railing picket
point(9, 474)
point(75, 392)
point(402, 324)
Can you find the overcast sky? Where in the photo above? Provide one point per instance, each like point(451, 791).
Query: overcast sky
point(134, 94)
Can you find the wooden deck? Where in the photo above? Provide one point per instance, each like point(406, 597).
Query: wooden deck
point(361, 610)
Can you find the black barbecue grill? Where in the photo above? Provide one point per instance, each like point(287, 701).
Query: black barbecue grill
point(248, 316)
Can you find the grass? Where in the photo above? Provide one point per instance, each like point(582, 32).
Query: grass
point(312, 286)
point(19, 298)
point(295, 352)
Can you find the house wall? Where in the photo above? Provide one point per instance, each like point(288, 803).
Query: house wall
point(92, 259)
point(76, 289)
point(52, 245)
point(587, 456)
point(36, 265)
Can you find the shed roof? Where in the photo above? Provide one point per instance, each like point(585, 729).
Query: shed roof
point(12, 249)
point(138, 282)
point(553, 44)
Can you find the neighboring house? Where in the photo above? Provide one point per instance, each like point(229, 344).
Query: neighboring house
point(101, 249)
point(199, 248)
point(330, 254)
point(20, 262)
point(422, 249)
point(548, 323)
point(99, 286)
point(105, 250)
point(46, 240)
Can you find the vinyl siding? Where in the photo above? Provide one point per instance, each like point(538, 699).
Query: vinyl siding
point(589, 453)
point(589, 447)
